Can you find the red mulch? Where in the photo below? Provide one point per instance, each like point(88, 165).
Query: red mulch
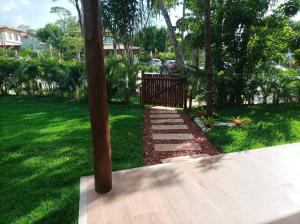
point(153, 157)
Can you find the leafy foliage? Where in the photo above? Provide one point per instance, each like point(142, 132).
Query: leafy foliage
point(43, 76)
point(297, 55)
point(247, 44)
point(152, 39)
point(63, 35)
point(121, 78)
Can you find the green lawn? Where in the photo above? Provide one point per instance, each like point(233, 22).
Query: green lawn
point(269, 125)
point(45, 146)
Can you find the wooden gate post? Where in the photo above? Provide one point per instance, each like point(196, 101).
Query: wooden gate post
point(142, 103)
point(185, 94)
point(97, 95)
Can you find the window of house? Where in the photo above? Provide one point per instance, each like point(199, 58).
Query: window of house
point(1, 36)
point(16, 37)
point(9, 36)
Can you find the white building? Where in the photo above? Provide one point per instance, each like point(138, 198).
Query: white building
point(10, 37)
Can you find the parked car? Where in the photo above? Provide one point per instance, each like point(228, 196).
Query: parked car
point(156, 62)
point(171, 64)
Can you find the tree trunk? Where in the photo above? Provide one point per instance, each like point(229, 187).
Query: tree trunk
point(190, 101)
point(208, 58)
point(97, 95)
point(196, 57)
point(182, 30)
point(115, 47)
point(219, 38)
point(177, 51)
point(77, 6)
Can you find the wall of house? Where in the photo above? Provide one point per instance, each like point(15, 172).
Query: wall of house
point(10, 37)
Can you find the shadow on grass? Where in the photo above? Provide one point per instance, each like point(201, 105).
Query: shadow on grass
point(269, 125)
point(45, 147)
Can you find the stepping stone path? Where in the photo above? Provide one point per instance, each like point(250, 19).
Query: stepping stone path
point(170, 127)
point(162, 121)
point(177, 147)
point(165, 116)
point(171, 135)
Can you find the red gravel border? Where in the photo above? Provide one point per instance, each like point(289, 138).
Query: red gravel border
point(153, 157)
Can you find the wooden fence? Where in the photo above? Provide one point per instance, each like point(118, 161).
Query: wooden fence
point(163, 90)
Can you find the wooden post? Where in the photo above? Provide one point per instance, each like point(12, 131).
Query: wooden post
point(141, 90)
point(185, 95)
point(97, 95)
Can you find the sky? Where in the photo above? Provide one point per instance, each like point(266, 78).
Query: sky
point(36, 13)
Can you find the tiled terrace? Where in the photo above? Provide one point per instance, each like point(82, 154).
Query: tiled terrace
point(253, 187)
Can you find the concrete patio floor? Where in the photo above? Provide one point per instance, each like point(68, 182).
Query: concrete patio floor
point(254, 187)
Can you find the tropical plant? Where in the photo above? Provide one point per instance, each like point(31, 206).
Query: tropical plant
point(297, 56)
point(29, 72)
point(208, 121)
point(121, 78)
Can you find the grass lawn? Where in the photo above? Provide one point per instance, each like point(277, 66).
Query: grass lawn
point(45, 146)
point(269, 125)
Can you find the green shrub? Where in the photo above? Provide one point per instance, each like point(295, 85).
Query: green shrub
point(144, 57)
point(297, 56)
point(148, 68)
point(165, 56)
point(121, 77)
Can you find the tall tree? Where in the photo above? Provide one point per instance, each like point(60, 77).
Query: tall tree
point(121, 20)
point(172, 36)
point(79, 14)
point(161, 5)
point(77, 5)
point(151, 37)
point(208, 58)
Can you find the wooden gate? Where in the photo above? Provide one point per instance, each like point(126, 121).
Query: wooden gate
point(163, 90)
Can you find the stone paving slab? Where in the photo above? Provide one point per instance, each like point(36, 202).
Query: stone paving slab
point(182, 158)
point(173, 136)
point(177, 147)
point(163, 112)
point(164, 115)
point(163, 108)
point(161, 121)
point(170, 127)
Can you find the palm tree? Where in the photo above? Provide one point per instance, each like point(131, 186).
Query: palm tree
point(208, 58)
point(161, 5)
